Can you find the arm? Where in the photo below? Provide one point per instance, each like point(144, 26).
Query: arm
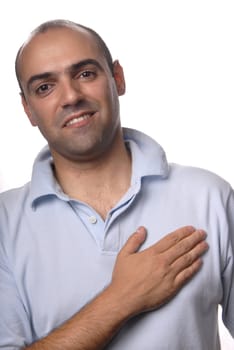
point(227, 264)
point(137, 286)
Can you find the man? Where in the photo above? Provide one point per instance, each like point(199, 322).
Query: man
point(71, 274)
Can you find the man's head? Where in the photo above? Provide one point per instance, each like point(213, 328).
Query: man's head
point(70, 88)
point(60, 23)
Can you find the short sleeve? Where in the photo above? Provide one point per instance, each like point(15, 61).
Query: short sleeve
point(15, 330)
point(228, 270)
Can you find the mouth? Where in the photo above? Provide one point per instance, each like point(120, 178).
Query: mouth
point(78, 120)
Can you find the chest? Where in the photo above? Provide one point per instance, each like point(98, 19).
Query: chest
point(60, 267)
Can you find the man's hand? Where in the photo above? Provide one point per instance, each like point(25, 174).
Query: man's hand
point(141, 281)
point(145, 280)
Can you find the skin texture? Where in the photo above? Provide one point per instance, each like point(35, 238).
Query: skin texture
point(71, 95)
point(67, 91)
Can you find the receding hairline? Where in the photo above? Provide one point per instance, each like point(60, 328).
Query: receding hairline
point(59, 24)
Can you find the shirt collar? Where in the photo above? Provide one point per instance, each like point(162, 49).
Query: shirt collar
point(43, 182)
point(148, 159)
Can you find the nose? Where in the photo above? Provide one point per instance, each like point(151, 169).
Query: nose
point(70, 93)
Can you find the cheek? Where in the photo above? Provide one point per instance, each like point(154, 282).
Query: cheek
point(32, 116)
point(109, 98)
point(101, 91)
point(42, 113)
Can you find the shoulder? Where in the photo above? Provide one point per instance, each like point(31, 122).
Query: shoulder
point(14, 198)
point(13, 205)
point(198, 178)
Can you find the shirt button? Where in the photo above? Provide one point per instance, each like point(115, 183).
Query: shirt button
point(92, 219)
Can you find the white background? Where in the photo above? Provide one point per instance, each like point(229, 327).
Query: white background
point(178, 58)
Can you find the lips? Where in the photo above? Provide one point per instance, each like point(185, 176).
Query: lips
point(78, 119)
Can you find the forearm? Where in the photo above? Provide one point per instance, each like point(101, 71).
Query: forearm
point(90, 329)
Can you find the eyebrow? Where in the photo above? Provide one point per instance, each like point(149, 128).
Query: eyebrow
point(81, 64)
point(74, 67)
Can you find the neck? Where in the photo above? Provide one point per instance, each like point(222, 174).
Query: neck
point(99, 183)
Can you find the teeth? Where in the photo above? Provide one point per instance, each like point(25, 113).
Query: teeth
point(79, 119)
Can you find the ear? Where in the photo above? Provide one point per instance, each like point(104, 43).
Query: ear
point(27, 110)
point(119, 78)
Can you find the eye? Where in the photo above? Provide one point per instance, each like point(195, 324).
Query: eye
point(43, 89)
point(88, 75)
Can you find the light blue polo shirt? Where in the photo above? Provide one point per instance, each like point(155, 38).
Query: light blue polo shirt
point(57, 253)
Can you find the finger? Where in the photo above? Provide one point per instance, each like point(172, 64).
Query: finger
point(134, 242)
point(185, 245)
point(185, 275)
point(190, 257)
point(171, 239)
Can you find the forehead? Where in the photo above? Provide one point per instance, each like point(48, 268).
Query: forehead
point(56, 49)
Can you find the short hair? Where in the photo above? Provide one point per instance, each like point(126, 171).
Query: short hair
point(61, 23)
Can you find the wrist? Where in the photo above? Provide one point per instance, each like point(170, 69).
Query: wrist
point(120, 304)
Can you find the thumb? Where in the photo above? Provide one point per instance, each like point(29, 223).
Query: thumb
point(134, 241)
